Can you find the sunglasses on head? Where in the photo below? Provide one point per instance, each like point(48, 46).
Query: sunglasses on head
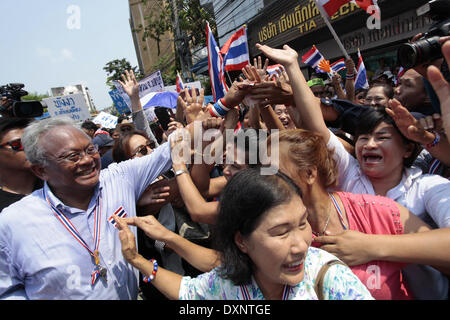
point(15, 145)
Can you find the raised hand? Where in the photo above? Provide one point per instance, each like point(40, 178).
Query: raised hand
point(285, 56)
point(262, 70)
point(409, 126)
point(193, 106)
point(130, 84)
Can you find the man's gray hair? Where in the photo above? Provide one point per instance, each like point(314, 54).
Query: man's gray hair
point(33, 133)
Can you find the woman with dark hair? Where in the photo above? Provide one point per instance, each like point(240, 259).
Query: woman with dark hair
point(305, 158)
point(379, 95)
point(132, 144)
point(264, 244)
point(378, 168)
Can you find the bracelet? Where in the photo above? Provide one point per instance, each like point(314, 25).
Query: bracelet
point(180, 172)
point(350, 76)
point(152, 276)
point(435, 141)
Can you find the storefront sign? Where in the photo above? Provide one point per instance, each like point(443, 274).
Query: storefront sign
point(288, 20)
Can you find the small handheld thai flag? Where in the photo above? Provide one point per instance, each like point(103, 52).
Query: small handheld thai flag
point(180, 83)
point(121, 213)
point(313, 58)
point(361, 76)
point(338, 65)
point(271, 70)
point(215, 66)
point(235, 51)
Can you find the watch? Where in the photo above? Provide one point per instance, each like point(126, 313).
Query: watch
point(179, 172)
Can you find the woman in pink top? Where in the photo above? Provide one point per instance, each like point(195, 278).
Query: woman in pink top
point(305, 158)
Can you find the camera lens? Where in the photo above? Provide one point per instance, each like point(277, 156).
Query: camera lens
point(408, 55)
point(414, 54)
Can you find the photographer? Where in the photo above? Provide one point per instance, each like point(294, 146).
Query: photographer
point(12, 106)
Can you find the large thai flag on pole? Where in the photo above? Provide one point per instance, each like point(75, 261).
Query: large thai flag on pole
point(333, 6)
point(215, 66)
point(235, 51)
point(361, 77)
point(312, 58)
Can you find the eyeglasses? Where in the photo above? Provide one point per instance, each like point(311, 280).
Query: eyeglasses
point(15, 145)
point(143, 150)
point(76, 157)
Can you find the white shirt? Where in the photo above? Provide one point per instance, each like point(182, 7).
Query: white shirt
point(422, 194)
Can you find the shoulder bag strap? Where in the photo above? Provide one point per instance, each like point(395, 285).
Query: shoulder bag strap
point(318, 287)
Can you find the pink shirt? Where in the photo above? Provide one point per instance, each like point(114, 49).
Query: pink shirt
point(377, 215)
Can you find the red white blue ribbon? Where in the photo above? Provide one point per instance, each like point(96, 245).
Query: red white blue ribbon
point(74, 232)
point(338, 211)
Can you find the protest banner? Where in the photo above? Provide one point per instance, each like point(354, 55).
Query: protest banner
point(106, 120)
point(152, 83)
point(73, 105)
point(119, 102)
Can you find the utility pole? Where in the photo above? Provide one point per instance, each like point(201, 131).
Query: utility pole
point(182, 45)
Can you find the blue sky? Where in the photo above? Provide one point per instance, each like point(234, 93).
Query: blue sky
point(38, 48)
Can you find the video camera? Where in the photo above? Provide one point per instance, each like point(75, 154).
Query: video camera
point(13, 106)
point(427, 48)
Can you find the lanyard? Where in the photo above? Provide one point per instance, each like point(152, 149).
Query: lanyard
point(338, 211)
point(246, 294)
point(99, 270)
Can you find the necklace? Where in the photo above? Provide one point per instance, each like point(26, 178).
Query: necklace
point(338, 210)
point(326, 223)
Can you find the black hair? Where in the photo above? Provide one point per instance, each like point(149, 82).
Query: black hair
point(245, 199)
point(371, 118)
point(13, 123)
point(89, 125)
point(387, 89)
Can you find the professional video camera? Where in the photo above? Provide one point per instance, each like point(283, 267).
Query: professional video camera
point(428, 47)
point(14, 107)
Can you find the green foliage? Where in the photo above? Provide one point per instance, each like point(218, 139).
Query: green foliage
point(114, 69)
point(35, 97)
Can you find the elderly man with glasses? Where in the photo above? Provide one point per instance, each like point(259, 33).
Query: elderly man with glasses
point(16, 178)
point(60, 242)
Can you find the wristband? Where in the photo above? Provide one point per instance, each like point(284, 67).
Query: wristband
point(350, 76)
point(435, 141)
point(153, 274)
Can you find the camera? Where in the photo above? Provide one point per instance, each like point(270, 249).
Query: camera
point(427, 48)
point(13, 106)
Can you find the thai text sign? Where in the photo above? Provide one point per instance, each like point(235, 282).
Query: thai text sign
point(73, 106)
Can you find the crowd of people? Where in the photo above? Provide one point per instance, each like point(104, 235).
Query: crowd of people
point(358, 207)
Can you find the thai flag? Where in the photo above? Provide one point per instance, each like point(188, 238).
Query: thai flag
point(235, 51)
point(271, 70)
point(215, 65)
point(338, 65)
point(312, 58)
point(121, 213)
point(331, 6)
point(361, 77)
point(180, 83)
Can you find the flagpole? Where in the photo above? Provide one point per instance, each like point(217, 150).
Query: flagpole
point(325, 18)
